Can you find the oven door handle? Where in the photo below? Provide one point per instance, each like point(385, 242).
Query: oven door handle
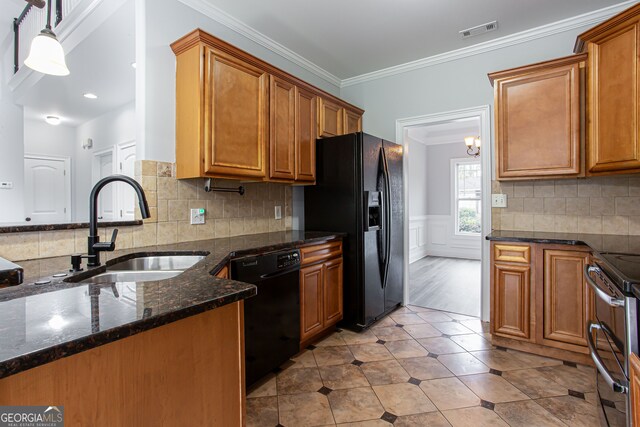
point(608, 378)
point(612, 301)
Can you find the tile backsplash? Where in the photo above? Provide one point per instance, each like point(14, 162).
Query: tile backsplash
point(601, 205)
point(170, 199)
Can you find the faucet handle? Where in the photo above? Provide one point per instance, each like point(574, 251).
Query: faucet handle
point(107, 246)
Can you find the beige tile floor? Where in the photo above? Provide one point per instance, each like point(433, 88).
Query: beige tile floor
point(421, 367)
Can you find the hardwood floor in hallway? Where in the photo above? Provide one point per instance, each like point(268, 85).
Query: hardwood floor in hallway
point(447, 284)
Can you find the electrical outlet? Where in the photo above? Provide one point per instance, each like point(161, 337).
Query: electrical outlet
point(278, 212)
point(6, 185)
point(197, 216)
point(498, 200)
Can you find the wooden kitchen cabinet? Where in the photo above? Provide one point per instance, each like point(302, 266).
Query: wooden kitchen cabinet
point(283, 129)
point(321, 289)
point(222, 117)
point(566, 297)
point(238, 117)
point(511, 295)
point(305, 139)
point(330, 118)
point(352, 121)
point(311, 297)
point(538, 118)
point(613, 94)
point(540, 301)
point(634, 388)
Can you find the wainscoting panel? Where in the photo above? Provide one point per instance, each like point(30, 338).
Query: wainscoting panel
point(433, 235)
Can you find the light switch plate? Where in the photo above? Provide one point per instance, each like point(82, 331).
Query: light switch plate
point(197, 216)
point(6, 185)
point(498, 200)
point(278, 213)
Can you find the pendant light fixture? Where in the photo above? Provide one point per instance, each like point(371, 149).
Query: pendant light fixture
point(46, 54)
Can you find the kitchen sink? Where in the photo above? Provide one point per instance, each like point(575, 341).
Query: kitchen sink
point(145, 269)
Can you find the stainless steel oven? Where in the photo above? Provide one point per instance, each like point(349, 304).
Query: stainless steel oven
point(612, 336)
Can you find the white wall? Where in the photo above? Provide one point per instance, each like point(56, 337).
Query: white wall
point(42, 138)
point(439, 176)
point(113, 128)
point(446, 86)
point(418, 176)
point(11, 137)
point(166, 21)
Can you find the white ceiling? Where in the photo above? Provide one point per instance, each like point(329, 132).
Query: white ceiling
point(100, 64)
point(348, 38)
point(453, 131)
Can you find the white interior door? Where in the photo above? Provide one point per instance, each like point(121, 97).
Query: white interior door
point(104, 165)
point(47, 189)
point(126, 196)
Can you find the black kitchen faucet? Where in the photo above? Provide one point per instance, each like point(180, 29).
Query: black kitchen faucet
point(94, 246)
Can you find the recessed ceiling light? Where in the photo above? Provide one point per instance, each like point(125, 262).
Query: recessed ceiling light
point(52, 120)
point(134, 65)
point(90, 95)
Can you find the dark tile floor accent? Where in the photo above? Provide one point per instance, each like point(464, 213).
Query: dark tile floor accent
point(466, 383)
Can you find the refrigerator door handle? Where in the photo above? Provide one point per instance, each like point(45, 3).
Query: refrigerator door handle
point(387, 218)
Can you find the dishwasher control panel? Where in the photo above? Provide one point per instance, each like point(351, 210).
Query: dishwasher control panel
point(288, 259)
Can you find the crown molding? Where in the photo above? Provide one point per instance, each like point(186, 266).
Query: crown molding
point(590, 18)
point(240, 27)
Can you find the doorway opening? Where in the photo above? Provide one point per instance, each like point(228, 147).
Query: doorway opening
point(447, 211)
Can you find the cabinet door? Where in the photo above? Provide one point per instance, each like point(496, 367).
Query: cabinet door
point(634, 387)
point(511, 304)
point(306, 123)
point(612, 101)
point(330, 116)
point(311, 296)
point(538, 123)
point(352, 121)
point(332, 271)
point(566, 297)
point(282, 129)
point(236, 117)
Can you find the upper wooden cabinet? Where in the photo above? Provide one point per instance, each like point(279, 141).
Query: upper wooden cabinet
point(613, 131)
point(238, 117)
point(306, 118)
point(330, 118)
point(537, 116)
point(283, 129)
point(352, 121)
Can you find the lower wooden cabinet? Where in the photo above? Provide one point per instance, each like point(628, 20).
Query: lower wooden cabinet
point(541, 299)
point(512, 290)
point(566, 298)
point(634, 388)
point(311, 301)
point(321, 285)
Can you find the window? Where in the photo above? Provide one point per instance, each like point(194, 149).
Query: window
point(467, 174)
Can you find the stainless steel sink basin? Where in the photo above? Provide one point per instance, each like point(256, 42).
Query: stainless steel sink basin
point(159, 262)
point(146, 269)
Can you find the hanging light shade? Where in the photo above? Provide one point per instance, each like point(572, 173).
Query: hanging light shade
point(46, 54)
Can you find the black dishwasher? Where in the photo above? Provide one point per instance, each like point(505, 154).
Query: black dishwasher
point(272, 317)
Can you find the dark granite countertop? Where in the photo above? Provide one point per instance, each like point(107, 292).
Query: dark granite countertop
point(42, 323)
point(618, 255)
point(25, 227)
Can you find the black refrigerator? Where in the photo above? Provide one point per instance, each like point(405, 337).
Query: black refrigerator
point(359, 191)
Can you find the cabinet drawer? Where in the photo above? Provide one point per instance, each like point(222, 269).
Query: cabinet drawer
point(311, 254)
point(512, 253)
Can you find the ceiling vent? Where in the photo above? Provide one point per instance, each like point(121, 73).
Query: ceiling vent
point(480, 29)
